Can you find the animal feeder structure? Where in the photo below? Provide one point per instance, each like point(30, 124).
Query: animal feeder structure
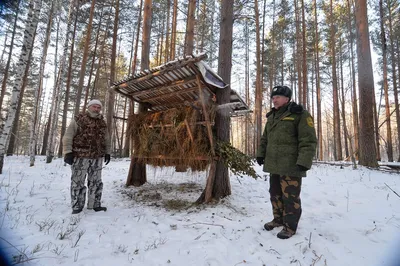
point(177, 110)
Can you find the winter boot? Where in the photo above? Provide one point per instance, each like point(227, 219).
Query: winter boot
point(285, 233)
point(271, 225)
point(76, 211)
point(98, 209)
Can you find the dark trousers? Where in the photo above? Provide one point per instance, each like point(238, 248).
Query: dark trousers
point(285, 199)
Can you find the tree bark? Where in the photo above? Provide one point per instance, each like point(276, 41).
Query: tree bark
point(366, 87)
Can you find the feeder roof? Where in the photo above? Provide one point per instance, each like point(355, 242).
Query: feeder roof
point(176, 83)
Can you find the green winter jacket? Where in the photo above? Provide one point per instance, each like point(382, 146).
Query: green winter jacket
point(288, 140)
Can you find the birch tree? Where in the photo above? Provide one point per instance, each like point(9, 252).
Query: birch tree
point(27, 45)
point(55, 102)
point(33, 125)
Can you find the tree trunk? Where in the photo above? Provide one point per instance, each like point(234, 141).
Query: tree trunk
point(68, 85)
point(189, 37)
point(38, 93)
point(389, 145)
point(219, 183)
point(14, 131)
point(10, 54)
point(137, 170)
point(304, 60)
point(173, 32)
point(298, 54)
point(55, 103)
point(27, 45)
point(258, 93)
point(336, 114)
point(353, 78)
point(342, 100)
point(94, 54)
point(366, 87)
point(111, 93)
point(394, 75)
point(84, 59)
point(317, 84)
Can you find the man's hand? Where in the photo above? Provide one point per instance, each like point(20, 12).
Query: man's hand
point(302, 168)
point(69, 158)
point(260, 160)
point(107, 158)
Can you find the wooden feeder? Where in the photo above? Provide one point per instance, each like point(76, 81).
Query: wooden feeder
point(177, 129)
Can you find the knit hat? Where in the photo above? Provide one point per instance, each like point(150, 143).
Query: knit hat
point(94, 101)
point(281, 90)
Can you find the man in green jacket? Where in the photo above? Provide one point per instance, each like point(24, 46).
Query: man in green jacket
point(286, 150)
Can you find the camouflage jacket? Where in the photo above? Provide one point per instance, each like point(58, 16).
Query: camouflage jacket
point(288, 140)
point(87, 136)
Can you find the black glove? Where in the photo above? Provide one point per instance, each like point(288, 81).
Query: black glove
point(69, 158)
point(260, 160)
point(107, 158)
point(302, 168)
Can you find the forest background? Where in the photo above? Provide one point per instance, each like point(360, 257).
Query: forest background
point(55, 55)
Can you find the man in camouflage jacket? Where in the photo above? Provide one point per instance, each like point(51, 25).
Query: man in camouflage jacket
point(286, 150)
point(86, 141)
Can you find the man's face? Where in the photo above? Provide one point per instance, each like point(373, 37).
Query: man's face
point(95, 108)
point(279, 101)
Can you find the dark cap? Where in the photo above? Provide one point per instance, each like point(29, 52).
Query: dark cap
point(281, 90)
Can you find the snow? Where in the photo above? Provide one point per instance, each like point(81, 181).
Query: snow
point(350, 217)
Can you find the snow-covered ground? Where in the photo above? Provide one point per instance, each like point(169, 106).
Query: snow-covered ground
point(350, 217)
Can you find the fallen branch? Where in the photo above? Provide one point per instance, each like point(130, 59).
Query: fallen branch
point(205, 224)
point(392, 190)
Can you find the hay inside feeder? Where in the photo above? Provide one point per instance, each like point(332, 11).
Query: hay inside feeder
point(175, 137)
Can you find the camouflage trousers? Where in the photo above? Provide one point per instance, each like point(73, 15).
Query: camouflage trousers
point(91, 168)
point(285, 199)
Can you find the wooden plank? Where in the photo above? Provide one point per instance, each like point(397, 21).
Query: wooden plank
point(164, 86)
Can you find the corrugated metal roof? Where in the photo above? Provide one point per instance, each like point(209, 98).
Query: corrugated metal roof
point(176, 83)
